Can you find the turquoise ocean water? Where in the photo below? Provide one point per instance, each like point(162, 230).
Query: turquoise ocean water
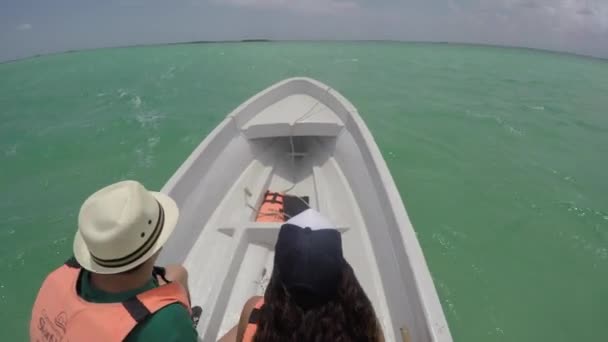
point(501, 157)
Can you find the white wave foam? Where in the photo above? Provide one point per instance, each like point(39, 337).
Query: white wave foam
point(443, 240)
point(170, 73)
point(513, 130)
point(189, 140)
point(11, 150)
point(502, 123)
point(602, 253)
point(148, 118)
point(136, 101)
point(143, 158)
point(447, 294)
point(346, 60)
point(152, 142)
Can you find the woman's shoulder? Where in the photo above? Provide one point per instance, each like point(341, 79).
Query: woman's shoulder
point(252, 303)
point(248, 308)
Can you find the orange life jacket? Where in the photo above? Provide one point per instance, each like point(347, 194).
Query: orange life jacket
point(252, 324)
point(60, 314)
point(271, 209)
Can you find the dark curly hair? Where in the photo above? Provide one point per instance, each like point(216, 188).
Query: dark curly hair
point(348, 317)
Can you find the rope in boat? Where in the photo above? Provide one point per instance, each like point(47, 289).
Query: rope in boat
point(303, 117)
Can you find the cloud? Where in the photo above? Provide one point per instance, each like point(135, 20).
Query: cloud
point(453, 6)
point(302, 6)
point(568, 16)
point(532, 4)
point(585, 11)
point(24, 27)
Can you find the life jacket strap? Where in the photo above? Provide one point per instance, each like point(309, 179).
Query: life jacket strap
point(136, 309)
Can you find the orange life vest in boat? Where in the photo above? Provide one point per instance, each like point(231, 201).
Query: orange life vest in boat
point(252, 324)
point(60, 314)
point(271, 209)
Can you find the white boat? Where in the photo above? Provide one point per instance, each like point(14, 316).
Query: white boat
point(300, 137)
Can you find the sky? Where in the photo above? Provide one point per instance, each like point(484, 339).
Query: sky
point(31, 27)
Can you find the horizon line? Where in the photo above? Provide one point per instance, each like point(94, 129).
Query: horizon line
point(263, 40)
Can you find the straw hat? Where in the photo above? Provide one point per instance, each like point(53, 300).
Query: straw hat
point(121, 226)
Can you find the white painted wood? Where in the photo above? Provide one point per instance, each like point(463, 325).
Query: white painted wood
point(335, 161)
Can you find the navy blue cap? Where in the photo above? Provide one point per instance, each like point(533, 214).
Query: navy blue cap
point(309, 259)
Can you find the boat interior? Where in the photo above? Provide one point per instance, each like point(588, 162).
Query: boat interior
point(300, 146)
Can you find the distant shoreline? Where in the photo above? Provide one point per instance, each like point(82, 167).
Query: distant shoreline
point(241, 41)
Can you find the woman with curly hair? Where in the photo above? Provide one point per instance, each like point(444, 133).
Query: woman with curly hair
point(313, 293)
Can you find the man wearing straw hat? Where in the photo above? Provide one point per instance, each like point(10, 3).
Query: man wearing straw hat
point(111, 290)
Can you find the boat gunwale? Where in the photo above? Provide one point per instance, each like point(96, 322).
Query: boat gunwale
point(433, 313)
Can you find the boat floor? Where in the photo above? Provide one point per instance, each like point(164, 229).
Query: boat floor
point(238, 252)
